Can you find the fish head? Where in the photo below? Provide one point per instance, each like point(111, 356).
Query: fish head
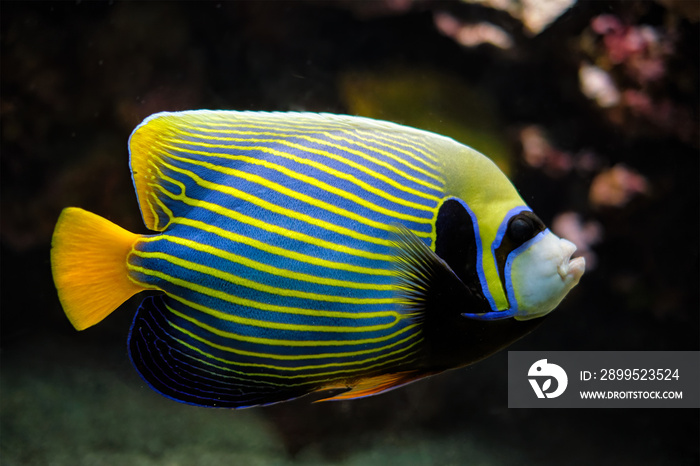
point(527, 270)
point(540, 273)
point(513, 264)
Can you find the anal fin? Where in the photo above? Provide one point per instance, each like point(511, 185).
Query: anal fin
point(373, 385)
point(173, 367)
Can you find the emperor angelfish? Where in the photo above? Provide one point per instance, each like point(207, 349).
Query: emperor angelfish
point(302, 252)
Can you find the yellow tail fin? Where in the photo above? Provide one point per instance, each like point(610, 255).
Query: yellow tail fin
point(88, 261)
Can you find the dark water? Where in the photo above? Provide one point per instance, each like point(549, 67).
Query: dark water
point(78, 76)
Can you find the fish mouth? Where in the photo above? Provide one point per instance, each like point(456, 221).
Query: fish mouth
point(570, 270)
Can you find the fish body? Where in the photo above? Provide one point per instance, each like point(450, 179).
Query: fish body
point(300, 252)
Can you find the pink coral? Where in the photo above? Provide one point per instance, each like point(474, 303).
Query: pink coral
point(539, 153)
point(471, 35)
point(616, 186)
point(630, 75)
point(642, 50)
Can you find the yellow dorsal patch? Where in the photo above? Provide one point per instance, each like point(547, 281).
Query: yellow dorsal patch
point(89, 265)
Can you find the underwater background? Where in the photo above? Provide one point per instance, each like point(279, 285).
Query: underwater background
point(591, 108)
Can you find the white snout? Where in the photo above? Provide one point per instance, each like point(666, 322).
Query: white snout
point(542, 273)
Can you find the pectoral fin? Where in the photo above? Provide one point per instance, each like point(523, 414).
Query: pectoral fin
point(425, 282)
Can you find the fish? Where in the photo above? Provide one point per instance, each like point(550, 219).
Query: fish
point(298, 253)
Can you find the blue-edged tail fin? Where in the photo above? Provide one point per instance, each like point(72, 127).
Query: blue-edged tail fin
point(89, 265)
point(177, 370)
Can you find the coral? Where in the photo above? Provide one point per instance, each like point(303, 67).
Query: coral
point(616, 187)
point(631, 75)
point(471, 35)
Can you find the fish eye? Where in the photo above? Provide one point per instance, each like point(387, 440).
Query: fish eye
point(521, 229)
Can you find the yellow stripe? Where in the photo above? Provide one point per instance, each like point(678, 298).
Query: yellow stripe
point(390, 137)
point(312, 181)
point(295, 357)
point(413, 141)
point(330, 155)
point(355, 139)
point(324, 142)
point(258, 378)
point(245, 219)
point(280, 251)
point(279, 129)
point(163, 207)
point(293, 214)
point(394, 133)
point(272, 308)
point(154, 213)
point(279, 121)
point(300, 368)
point(295, 343)
point(303, 197)
point(319, 166)
point(240, 281)
point(266, 267)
